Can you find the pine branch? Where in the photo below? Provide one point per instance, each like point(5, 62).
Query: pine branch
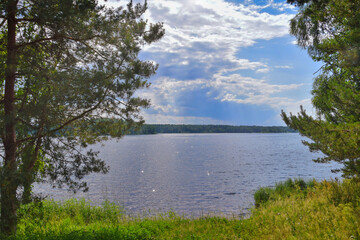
point(83, 114)
point(56, 37)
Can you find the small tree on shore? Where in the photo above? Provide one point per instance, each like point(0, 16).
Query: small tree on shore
point(330, 31)
point(68, 73)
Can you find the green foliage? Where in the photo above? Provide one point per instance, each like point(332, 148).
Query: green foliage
point(347, 192)
point(330, 31)
point(66, 66)
point(77, 62)
point(79, 211)
point(174, 128)
point(261, 196)
point(321, 210)
point(307, 215)
point(281, 190)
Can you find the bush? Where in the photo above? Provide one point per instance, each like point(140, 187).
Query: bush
point(262, 195)
point(283, 189)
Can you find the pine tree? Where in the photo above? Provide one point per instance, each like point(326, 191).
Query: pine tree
point(330, 31)
point(69, 70)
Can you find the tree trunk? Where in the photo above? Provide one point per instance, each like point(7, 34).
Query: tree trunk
point(28, 172)
point(26, 197)
point(8, 205)
point(9, 182)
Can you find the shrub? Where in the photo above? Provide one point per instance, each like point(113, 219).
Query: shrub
point(262, 195)
point(283, 189)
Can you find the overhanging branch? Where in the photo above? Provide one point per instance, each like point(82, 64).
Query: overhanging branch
point(65, 123)
point(55, 37)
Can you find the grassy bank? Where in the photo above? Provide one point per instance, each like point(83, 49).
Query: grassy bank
point(292, 210)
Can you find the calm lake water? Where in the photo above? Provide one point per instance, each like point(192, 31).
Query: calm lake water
point(196, 173)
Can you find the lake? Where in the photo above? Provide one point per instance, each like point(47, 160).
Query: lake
point(193, 174)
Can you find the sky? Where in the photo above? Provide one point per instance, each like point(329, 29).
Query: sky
point(227, 62)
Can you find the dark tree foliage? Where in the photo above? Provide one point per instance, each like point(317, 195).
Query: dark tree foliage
point(300, 3)
point(176, 128)
point(64, 66)
point(330, 31)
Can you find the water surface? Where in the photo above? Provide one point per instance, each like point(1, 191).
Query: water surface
point(197, 173)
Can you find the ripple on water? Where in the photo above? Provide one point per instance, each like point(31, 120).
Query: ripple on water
point(196, 173)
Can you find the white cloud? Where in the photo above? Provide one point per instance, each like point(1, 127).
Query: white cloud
point(294, 107)
point(165, 93)
point(282, 6)
point(263, 70)
point(247, 90)
point(209, 30)
point(284, 67)
point(208, 34)
point(113, 3)
point(163, 118)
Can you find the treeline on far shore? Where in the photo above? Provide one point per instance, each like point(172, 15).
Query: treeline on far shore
point(183, 128)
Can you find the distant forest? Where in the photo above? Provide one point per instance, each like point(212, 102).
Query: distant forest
point(174, 128)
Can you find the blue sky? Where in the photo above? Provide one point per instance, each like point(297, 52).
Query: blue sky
point(225, 62)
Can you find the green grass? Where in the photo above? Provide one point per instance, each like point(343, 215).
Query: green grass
point(282, 190)
point(291, 210)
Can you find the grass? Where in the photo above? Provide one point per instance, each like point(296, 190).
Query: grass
point(282, 190)
point(291, 210)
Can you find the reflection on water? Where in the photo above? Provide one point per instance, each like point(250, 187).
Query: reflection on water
point(195, 173)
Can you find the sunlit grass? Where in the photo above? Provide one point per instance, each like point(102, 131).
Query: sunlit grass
point(320, 211)
point(292, 210)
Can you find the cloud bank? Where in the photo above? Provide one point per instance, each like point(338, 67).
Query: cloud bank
point(201, 54)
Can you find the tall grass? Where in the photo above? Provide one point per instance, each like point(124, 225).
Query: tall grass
point(283, 189)
point(291, 210)
point(294, 210)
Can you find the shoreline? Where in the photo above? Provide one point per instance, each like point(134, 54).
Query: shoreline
point(293, 209)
